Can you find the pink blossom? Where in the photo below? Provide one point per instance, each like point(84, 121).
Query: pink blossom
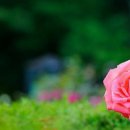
point(74, 97)
point(57, 94)
point(95, 100)
point(45, 96)
point(51, 95)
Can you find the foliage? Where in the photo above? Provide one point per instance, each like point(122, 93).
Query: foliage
point(87, 28)
point(31, 115)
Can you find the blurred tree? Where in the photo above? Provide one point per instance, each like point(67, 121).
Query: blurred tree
point(88, 28)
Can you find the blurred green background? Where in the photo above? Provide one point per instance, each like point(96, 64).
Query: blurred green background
point(97, 32)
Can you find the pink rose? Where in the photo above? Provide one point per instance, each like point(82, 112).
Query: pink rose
point(117, 84)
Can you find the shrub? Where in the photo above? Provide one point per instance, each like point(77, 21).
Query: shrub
point(59, 115)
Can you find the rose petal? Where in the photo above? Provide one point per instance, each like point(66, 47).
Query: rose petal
point(119, 108)
point(108, 82)
point(123, 80)
point(125, 92)
point(125, 66)
point(127, 104)
point(125, 115)
point(108, 100)
point(118, 94)
point(112, 74)
point(129, 87)
point(119, 100)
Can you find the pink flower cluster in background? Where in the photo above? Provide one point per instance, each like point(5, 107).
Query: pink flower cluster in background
point(51, 95)
point(74, 97)
point(95, 100)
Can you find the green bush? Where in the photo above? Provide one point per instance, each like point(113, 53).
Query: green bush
point(60, 115)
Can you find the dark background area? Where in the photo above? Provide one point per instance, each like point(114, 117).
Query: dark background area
point(96, 31)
